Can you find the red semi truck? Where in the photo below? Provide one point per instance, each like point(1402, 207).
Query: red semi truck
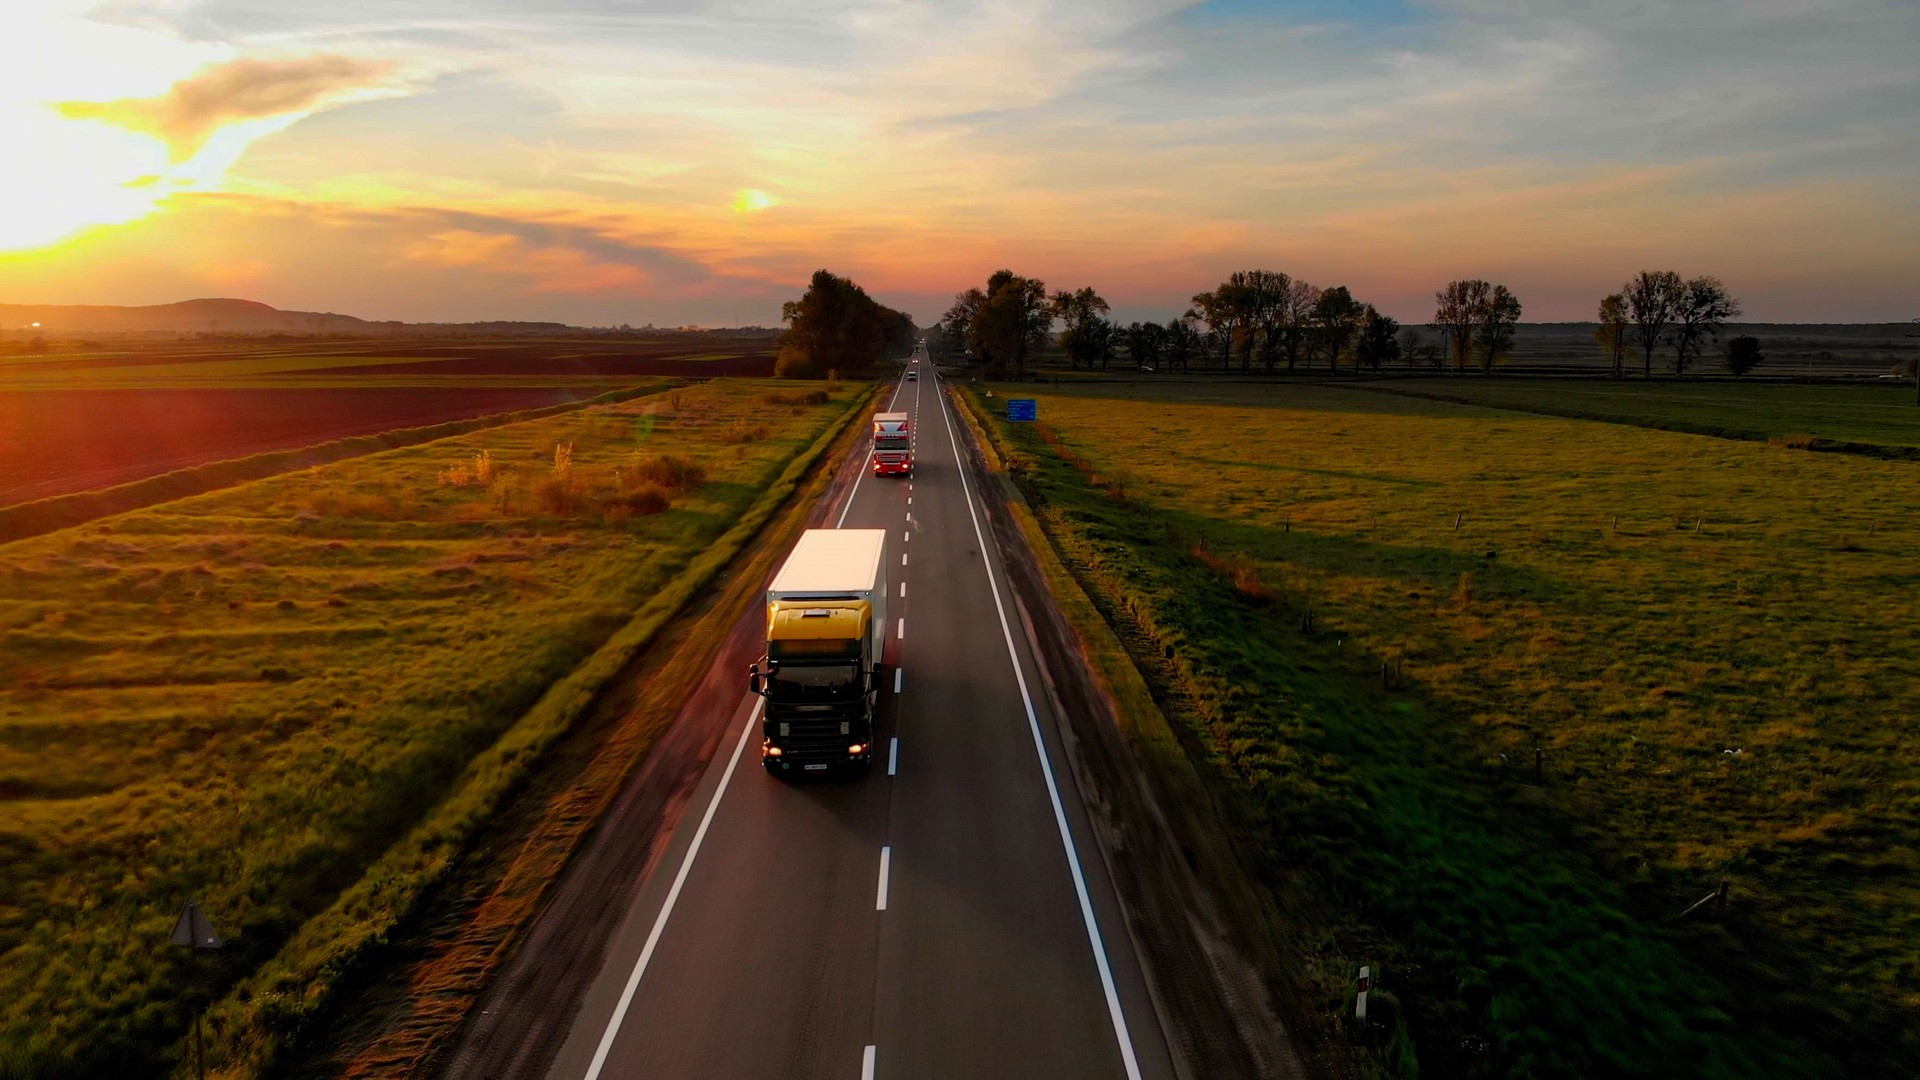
point(892, 445)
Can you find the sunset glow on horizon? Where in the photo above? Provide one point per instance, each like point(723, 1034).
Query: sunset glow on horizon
point(435, 160)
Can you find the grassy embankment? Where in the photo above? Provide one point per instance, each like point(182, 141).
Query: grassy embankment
point(1716, 683)
point(294, 698)
point(513, 864)
point(1879, 420)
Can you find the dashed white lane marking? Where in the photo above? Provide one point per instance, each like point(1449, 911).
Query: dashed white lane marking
point(905, 536)
point(673, 896)
point(862, 474)
point(1100, 963)
point(893, 755)
point(903, 590)
point(903, 558)
point(866, 1063)
point(880, 897)
point(909, 500)
point(901, 633)
point(898, 674)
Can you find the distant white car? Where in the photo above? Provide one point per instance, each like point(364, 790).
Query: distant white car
point(913, 376)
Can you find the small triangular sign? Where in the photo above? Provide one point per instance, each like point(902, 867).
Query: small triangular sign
point(194, 929)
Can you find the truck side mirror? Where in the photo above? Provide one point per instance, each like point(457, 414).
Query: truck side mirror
point(754, 680)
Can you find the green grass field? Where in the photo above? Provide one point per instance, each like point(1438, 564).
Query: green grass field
point(1709, 642)
point(1875, 414)
point(249, 696)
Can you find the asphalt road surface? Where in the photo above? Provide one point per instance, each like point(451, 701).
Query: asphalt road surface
point(947, 915)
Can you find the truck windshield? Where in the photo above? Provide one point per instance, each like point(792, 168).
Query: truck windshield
point(815, 682)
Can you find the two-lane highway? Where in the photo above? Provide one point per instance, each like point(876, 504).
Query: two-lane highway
point(946, 915)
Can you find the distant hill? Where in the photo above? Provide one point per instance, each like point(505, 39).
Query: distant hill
point(222, 317)
point(218, 316)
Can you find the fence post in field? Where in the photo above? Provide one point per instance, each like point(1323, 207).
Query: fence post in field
point(1456, 520)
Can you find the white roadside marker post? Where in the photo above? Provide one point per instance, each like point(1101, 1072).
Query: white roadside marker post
point(195, 931)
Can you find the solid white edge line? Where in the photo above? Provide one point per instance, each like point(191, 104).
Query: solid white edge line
point(897, 674)
point(673, 896)
point(866, 1063)
point(1125, 1039)
point(893, 755)
point(880, 897)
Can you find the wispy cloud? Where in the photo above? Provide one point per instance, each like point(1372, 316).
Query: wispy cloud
point(246, 89)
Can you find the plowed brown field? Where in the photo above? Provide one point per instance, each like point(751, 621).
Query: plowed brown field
point(57, 441)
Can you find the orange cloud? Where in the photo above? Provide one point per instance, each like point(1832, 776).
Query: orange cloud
point(193, 109)
point(548, 268)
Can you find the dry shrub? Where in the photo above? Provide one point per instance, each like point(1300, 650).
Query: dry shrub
point(810, 397)
point(557, 496)
point(480, 470)
point(1795, 442)
point(667, 471)
point(560, 492)
point(1237, 570)
point(646, 499)
point(741, 431)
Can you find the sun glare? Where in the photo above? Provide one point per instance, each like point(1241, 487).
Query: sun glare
point(69, 175)
point(752, 201)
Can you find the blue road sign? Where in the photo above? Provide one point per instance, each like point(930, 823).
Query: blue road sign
point(1024, 408)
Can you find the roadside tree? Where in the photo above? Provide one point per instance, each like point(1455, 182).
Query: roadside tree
point(1653, 299)
point(1377, 342)
point(1013, 321)
point(1612, 334)
point(1702, 309)
point(1743, 354)
point(958, 321)
point(1182, 342)
point(1499, 317)
point(1086, 335)
point(1456, 314)
point(1335, 316)
point(835, 325)
point(1145, 342)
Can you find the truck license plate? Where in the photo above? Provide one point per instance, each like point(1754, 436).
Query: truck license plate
point(812, 768)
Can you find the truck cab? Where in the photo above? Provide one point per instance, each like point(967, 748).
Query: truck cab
point(820, 684)
point(892, 444)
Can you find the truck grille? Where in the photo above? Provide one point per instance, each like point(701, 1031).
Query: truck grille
point(805, 738)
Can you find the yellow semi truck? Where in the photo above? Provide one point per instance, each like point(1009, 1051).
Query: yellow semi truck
point(826, 625)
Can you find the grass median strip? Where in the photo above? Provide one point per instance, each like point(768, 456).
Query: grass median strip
point(295, 698)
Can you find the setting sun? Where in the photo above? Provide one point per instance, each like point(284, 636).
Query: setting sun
point(752, 201)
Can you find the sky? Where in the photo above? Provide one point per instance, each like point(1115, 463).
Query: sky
point(602, 162)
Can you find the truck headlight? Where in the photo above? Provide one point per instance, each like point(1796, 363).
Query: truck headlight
point(856, 748)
